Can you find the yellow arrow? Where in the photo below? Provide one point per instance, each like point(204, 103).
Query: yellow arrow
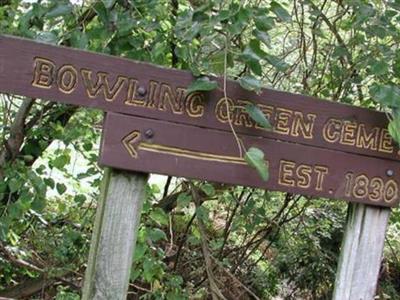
point(132, 144)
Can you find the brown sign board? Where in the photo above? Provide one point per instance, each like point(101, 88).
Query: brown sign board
point(140, 144)
point(321, 148)
point(124, 86)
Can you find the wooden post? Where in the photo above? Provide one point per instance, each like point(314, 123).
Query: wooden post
point(114, 235)
point(361, 252)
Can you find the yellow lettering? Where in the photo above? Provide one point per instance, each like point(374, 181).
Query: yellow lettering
point(102, 84)
point(348, 133)
point(67, 77)
point(303, 173)
point(154, 87)
point(286, 173)
point(302, 126)
point(282, 117)
point(221, 109)
point(331, 130)
point(175, 99)
point(43, 73)
point(385, 142)
point(321, 172)
point(365, 140)
point(131, 96)
point(195, 105)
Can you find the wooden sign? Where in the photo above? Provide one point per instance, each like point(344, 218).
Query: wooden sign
point(315, 147)
point(135, 143)
point(119, 85)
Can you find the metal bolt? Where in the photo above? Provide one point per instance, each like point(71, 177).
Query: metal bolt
point(149, 133)
point(389, 172)
point(141, 91)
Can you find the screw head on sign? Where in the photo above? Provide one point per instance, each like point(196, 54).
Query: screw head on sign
point(141, 91)
point(149, 133)
point(389, 172)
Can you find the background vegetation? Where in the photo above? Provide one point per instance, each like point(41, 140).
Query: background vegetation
point(242, 243)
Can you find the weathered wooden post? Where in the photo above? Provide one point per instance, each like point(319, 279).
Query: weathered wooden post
point(361, 253)
point(114, 235)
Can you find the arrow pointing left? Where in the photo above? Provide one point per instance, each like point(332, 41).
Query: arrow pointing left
point(131, 143)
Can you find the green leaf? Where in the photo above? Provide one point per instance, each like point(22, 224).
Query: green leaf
point(156, 235)
point(217, 63)
point(203, 84)
point(38, 204)
point(14, 184)
point(102, 13)
point(140, 250)
point(224, 15)
point(252, 60)
point(49, 182)
point(61, 188)
point(255, 67)
point(280, 12)
point(250, 83)
point(47, 37)
point(208, 189)
point(263, 37)
point(202, 213)
point(379, 67)
point(256, 48)
point(264, 23)
point(249, 54)
point(80, 199)
point(396, 65)
point(60, 10)
point(388, 95)
point(108, 3)
point(159, 216)
point(258, 116)
point(79, 40)
point(279, 64)
point(394, 130)
point(60, 161)
point(184, 199)
point(255, 159)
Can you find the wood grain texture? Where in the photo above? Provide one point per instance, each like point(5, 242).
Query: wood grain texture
point(18, 62)
point(114, 236)
point(188, 151)
point(361, 253)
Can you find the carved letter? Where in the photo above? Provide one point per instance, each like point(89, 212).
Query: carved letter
point(302, 126)
point(43, 73)
point(195, 105)
point(367, 140)
point(102, 84)
point(221, 112)
point(331, 130)
point(348, 133)
point(175, 99)
point(67, 78)
point(385, 142)
point(303, 173)
point(282, 120)
point(286, 169)
point(321, 172)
